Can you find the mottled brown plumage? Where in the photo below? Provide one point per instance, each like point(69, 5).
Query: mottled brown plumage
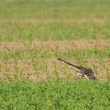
point(81, 71)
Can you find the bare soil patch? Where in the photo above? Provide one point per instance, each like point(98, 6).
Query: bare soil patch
point(55, 20)
point(56, 45)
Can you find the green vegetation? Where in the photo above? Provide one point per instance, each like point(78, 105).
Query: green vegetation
point(52, 53)
point(54, 19)
point(54, 9)
point(31, 78)
point(55, 95)
point(53, 31)
point(42, 64)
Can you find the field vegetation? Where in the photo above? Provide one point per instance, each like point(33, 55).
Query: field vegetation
point(33, 33)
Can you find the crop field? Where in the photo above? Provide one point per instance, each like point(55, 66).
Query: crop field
point(33, 33)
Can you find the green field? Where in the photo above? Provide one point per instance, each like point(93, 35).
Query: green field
point(58, 30)
point(55, 95)
point(33, 33)
point(54, 9)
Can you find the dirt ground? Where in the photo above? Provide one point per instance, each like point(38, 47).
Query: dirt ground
point(44, 69)
point(59, 45)
point(55, 20)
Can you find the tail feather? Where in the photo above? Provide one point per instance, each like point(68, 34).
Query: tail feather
point(73, 65)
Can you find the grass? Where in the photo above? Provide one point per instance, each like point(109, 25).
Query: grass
point(43, 65)
point(53, 31)
point(33, 53)
point(31, 78)
point(26, 20)
point(55, 94)
point(54, 9)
